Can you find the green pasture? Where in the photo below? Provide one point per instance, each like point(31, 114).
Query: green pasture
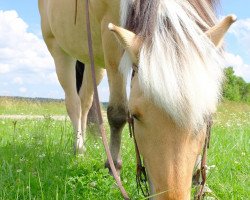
point(31, 107)
point(37, 161)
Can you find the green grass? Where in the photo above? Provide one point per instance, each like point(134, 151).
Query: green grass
point(229, 152)
point(37, 161)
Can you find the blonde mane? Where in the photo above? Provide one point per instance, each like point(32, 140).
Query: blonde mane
point(180, 69)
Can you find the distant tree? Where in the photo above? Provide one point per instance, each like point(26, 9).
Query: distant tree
point(246, 93)
point(235, 88)
point(231, 89)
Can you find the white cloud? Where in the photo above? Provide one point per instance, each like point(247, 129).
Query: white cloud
point(241, 69)
point(241, 29)
point(52, 77)
point(22, 89)
point(19, 49)
point(18, 80)
point(24, 59)
point(4, 68)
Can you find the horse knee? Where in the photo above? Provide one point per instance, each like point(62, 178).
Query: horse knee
point(117, 116)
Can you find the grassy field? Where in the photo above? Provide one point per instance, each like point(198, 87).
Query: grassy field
point(37, 161)
point(31, 107)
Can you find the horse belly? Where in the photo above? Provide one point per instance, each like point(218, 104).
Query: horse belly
point(71, 36)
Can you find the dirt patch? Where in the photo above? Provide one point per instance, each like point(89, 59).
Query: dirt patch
point(37, 117)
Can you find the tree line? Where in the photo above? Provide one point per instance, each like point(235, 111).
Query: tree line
point(235, 88)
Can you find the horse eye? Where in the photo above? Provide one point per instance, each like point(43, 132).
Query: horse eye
point(135, 117)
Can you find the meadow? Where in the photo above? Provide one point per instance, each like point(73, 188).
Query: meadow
point(37, 160)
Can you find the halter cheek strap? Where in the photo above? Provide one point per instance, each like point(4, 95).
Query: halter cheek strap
point(141, 175)
point(201, 173)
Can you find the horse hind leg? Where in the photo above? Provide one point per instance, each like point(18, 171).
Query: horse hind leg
point(92, 115)
point(65, 69)
point(86, 93)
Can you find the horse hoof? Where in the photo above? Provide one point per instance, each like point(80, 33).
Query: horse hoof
point(79, 151)
point(118, 166)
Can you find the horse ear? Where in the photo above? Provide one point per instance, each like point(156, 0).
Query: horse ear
point(129, 40)
point(217, 32)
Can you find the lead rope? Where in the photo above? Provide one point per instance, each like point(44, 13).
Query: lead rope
point(97, 104)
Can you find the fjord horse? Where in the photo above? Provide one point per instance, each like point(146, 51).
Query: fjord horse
point(172, 46)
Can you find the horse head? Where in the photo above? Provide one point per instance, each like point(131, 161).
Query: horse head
point(169, 150)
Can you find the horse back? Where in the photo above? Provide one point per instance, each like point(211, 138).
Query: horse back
point(58, 23)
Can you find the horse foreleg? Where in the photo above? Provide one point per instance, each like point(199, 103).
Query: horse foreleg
point(86, 93)
point(117, 115)
point(117, 109)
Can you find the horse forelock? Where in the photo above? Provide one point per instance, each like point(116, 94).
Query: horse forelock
point(179, 68)
point(140, 16)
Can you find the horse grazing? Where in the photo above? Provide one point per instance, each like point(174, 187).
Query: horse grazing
point(171, 44)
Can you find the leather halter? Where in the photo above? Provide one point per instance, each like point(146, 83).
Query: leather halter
point(201, 173)
point(141, 174)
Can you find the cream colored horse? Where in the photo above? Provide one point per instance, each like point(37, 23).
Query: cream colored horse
point(176, 87)
point(67, 43)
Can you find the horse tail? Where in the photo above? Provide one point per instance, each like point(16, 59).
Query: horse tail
point(179, 67)
point(80, 67)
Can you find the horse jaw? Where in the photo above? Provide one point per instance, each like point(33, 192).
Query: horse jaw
point(217, 32)
point(129, 40)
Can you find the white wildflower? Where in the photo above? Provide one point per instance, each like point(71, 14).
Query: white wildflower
point(42, 155)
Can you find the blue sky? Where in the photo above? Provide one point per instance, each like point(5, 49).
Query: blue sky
point(26, 68)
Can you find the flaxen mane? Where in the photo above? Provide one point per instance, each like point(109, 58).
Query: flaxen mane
point(179, 68)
